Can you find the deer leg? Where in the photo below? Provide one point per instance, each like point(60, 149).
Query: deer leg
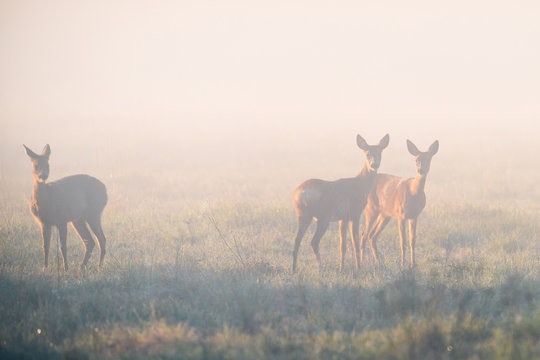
point(401, 228)
point(46, 235)
point(412, 238)
point(95, 225)
point(342, 242)
point(368, 228)
point(322, 225)
point(379, 226)
point(62, 231)
point(303, 224)
point(355, 238)
point(86, 238)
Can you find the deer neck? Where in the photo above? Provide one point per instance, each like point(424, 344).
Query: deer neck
point(40, 194)
point(367, 172)
point(418, 184)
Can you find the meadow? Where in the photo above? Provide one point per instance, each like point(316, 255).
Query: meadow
point(199, 264)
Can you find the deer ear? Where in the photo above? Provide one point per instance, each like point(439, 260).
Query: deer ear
point(384, 142)
point(412, 148)
point(46, 151)
point(30, 153)
point(434, 148)
point(362, 144)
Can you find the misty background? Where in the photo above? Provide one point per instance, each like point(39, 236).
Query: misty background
point(244, 98)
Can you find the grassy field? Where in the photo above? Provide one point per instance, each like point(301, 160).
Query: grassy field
point(198, 267)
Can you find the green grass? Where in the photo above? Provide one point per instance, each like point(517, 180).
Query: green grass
point(188, 278)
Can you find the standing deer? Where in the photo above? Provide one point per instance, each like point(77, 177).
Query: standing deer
point(398, 197)
point(78, 199)
point(341, 200)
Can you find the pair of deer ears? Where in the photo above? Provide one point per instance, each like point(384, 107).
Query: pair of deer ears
point(45, 153)
point(414, 150)
point(362, 144)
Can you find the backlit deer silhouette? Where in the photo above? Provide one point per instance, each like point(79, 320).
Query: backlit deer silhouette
point(341, 200)
point(78, 199)
point(397, 197)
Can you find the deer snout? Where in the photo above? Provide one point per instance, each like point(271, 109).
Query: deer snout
point(43, 175)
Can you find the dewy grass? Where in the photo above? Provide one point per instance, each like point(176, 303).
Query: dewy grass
point(170, 286)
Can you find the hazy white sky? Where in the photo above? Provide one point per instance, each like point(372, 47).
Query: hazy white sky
point(207, 70)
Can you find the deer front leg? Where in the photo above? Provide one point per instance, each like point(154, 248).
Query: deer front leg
point(342, 243)
point(412, 238)
point(401, 228)
point(355, 238)
point(368, 227)
point(62, 231)
point(46, 235)
point(374, 233)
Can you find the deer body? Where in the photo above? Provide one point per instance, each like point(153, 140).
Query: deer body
point(79, 199)
point(397, 197)
point(67, 199)
point(336, 200)
point(341, 200)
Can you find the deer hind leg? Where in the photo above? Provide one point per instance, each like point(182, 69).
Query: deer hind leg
point(95, 225)
point(62, 231)
point(86, 238)
point(412, 238)
point(46, 235)
point(402, 234)
point(373, 235)
point(342, 243)
point(322, 225)
point(303, 224)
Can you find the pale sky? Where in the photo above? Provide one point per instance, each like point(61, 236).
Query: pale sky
point(226, 71)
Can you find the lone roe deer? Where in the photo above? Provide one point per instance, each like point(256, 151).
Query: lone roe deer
point(342, 200)
point(78, 199)
point(398, 197)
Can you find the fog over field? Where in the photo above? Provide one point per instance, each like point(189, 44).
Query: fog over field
point(242, 85)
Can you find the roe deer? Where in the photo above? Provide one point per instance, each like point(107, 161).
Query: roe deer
point(397, 197)
point(341, 200)
point(78, 199)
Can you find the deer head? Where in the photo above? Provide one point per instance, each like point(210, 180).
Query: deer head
point(373, 152)
point(423, 159)
point(40, 163)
